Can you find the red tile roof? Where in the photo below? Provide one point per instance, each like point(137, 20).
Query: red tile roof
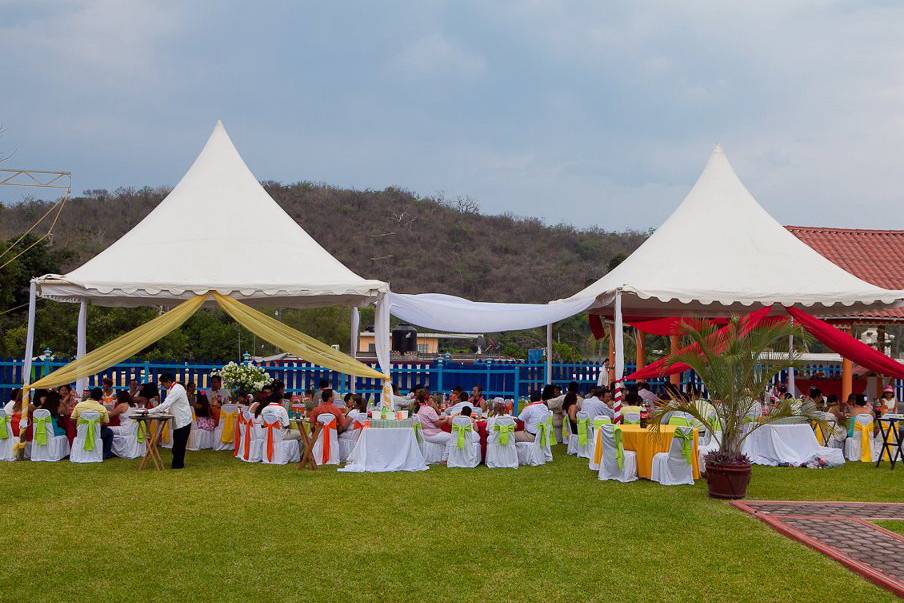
point(876, 256)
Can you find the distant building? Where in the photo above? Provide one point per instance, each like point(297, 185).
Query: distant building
point(427, 343)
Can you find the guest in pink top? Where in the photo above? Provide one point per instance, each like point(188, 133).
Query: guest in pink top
point(431, 422)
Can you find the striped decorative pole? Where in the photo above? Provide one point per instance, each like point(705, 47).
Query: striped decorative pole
point(619, 357)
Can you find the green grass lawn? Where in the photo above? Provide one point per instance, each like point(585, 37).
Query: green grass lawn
point(227, 531)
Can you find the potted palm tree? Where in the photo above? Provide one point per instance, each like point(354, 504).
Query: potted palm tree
point(737, 365)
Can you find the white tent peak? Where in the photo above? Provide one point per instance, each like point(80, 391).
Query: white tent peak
point(218, 229)
point(721, 251)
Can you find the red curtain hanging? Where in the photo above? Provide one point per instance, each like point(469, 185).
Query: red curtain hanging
point(596, 326)
point(848, 346)
point(673, 325)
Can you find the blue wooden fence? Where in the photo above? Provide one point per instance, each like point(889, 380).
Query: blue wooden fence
point(506, 378)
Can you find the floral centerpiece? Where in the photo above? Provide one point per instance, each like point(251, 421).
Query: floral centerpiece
point(243, 379)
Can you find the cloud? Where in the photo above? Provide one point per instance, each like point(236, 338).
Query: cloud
point(436, 56)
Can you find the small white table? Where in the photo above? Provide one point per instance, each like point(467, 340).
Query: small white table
point(791, 443)
point(386, 449)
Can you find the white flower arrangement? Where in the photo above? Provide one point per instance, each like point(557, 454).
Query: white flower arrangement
point(243, 378)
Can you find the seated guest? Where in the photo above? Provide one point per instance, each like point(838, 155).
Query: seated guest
point(68, 399)
point(279, 390)
point(554, 400)
point(191, 390)
point(431, 423)
point(309, 401)
point(261, 400)
point(570, 410)
point(325, 385)
point(133, 387)
point(887, 403)
point(52, 405)
point(123, 404)
point(633, 403)
point(458, 407)
point(276, 406)
point(218, 396)
point(327, 406)
point(857, 405)
point(148, 396)
point(13, 410)
point(532, 415)
point(357, 412)
point(646, 394)
point(92, 404)
point(818, 399)
point(477, 400)
point(595, 406)
point(500, 408)
point(399, 402)
point(466, 411)
point(108, 397)
point(203, 413)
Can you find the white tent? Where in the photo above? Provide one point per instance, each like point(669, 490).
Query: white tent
point(218, 230)
point(721, 252)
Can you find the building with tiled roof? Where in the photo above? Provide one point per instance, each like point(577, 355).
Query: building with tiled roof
point(876, 256)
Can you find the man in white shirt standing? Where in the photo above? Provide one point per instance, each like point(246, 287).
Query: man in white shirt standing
point(175, 403)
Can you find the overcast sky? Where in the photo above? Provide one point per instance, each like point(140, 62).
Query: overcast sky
point(583, 112)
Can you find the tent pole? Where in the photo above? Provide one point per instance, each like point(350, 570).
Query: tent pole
point(382, 338)
point(847, 369)
point(674, 343)
point(619, 356)
point(640, 350)
point(792, 385)
point(611, 375)
point(81, 383)
point(549, 354)
point(353, 344)
point(29, 335)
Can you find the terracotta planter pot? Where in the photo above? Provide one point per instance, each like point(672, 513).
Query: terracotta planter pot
point(727, 481)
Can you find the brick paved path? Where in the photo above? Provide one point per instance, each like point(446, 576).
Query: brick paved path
point(843, 532)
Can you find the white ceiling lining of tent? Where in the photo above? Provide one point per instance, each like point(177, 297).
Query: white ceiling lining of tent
point(217, 230)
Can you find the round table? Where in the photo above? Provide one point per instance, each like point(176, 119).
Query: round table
point(646, 443)
point(381, 449)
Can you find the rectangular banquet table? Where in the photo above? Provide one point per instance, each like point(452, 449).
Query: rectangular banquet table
point(386, 449)
point(784, 443)
point(646, 443)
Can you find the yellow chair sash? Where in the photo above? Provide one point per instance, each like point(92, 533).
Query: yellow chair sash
point(866, 441)
point(227, 420)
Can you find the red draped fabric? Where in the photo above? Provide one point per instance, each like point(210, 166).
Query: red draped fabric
point(660, 368)
point(596, 326)
point(849, 347)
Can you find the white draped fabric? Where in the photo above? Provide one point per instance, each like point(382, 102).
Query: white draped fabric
point(793, 443)
point(386, 449)
point(450, 313)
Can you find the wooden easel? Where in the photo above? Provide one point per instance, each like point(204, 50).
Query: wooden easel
point(307, 445)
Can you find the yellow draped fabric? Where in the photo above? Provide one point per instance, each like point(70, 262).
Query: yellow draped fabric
point(286, 338)
point(268, 328)
point(227, 420)
point(866, 441)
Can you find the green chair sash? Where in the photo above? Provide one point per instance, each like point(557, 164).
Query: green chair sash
point(459, 431)
point(552, 432)
point(416, 426)
point(687, 443)
point(4, 427)
point(140, 435)
point(543, 433)
point(600, 421)
point(90, 431)
point(40, 430)
point(619, 448)
point(679, 421)
point(583, 425)
point(504, 432)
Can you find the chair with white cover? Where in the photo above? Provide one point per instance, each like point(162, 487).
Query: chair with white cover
point(199, 439)
point(464, 447)
point(863, 436)
point(326, 448)
point(249, 445)
point(679, 418)
point(581, 443)
point(276, 450)
point(46, 446)
point(434, 448)
point(349, 437)
point(7, 439)
point(617, 463)
point(834, 436)
point(502, 451)
point(712, 441)
point(87, 447)
point(596, 447)
point(128, 438)
point(539, 451)
point(227, 428)
point(674, 468)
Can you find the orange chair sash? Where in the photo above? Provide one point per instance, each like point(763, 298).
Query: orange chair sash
point(326, 440)
point(270, 427)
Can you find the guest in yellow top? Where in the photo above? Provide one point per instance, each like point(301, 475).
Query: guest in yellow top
point(92, 404)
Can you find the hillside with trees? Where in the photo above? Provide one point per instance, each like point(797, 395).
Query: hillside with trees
point(417, 244)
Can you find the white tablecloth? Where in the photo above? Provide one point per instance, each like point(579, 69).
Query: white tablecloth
point(793, 443)
point(386, 449)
